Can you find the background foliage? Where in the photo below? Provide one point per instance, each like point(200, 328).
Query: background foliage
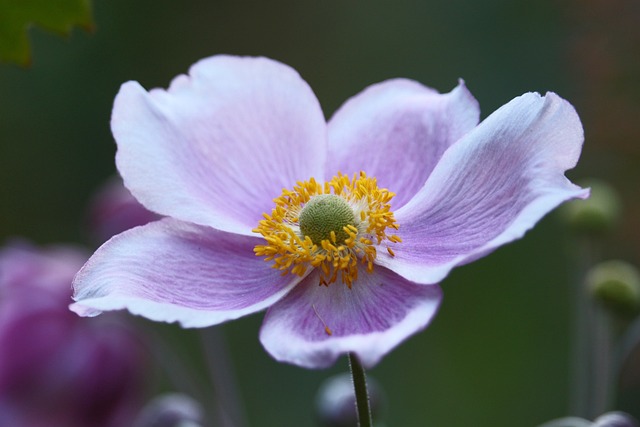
point(18, 15)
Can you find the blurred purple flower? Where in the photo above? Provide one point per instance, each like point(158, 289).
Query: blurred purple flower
point(213, 151)
point(55, 368)
point(114, 210)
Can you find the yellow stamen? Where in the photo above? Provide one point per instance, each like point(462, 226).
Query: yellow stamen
point(340, 251)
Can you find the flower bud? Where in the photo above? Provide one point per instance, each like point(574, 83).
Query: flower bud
point(599, 213)
point(55, 367)
point(615, 419)
point(616, 285)
point(171, 410)
point(336, 401)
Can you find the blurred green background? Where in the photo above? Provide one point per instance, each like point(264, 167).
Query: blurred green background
point(498, 353)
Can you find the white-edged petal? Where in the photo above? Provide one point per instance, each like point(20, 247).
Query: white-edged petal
point(221, 143)
point(490, 187)
point(379, 311)
point(173, 271)
point(397, 131)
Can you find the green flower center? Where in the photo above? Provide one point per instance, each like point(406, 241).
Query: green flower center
point(325, 214)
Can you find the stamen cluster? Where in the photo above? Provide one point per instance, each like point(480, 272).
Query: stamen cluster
point(337, 256)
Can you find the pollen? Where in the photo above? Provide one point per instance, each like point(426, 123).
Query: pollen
point(335, 227)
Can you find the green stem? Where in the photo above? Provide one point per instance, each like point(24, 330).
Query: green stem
point(362, 395)
point(603, 386)
point(181, 378)
point(582, 351)
point(225, 389)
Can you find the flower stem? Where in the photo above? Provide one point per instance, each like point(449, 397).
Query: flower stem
point(362, 395)
point(603, 386)
point(582, 352)
point(226, 393)
point(181, 378)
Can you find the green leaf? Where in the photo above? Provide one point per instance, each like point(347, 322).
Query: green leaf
point(16, 16)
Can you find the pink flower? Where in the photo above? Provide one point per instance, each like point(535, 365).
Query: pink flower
point(55, 368)
point(356, 265)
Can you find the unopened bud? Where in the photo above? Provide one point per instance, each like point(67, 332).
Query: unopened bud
point(336, 401)
point(615, 284)
point(615, 419)
point(171, 410)
point(597, 214)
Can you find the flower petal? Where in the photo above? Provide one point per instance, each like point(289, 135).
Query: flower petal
point(370, 319)
point(174, 271)
point(397, 131)
point(490, 187)
point(221, 143)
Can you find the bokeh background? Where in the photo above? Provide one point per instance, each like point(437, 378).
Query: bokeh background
point(498, 353)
